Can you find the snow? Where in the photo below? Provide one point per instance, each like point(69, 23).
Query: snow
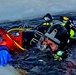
point(8, 70)
point(29, 9)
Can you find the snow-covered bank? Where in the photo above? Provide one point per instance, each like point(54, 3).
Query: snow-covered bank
point(19, 9)
point(8, 70)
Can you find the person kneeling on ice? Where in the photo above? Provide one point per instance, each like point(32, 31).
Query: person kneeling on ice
point(56, 39)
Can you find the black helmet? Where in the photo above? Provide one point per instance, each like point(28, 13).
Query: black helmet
point(47, 17)
point(58, 34)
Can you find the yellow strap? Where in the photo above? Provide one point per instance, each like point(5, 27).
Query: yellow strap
point(14, 40)
point(48, 23)
point(44, 23)
point(28, 29)
point(19, 46)
point(15, 29)
point(16, 43)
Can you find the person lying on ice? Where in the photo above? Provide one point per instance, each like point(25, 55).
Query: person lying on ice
point(56, 39)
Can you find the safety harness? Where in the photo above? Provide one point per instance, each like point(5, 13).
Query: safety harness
point(11, 41)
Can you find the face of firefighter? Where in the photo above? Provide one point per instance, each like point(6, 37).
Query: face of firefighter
point(51, 44)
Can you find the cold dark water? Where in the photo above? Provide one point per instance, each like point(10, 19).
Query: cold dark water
point(36, 62)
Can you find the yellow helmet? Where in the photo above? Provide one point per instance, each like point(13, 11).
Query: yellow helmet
point(65, 18)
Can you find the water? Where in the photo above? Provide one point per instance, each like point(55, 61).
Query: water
point(36, 62)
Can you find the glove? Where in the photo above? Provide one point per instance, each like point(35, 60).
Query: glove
point(5, 57)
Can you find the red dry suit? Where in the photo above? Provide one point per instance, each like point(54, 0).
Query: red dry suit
point(9, 40)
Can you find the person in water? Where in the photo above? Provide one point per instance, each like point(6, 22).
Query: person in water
point(56, 39)
point(18, 39)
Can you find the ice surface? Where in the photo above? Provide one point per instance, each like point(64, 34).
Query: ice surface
point(27, 9)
